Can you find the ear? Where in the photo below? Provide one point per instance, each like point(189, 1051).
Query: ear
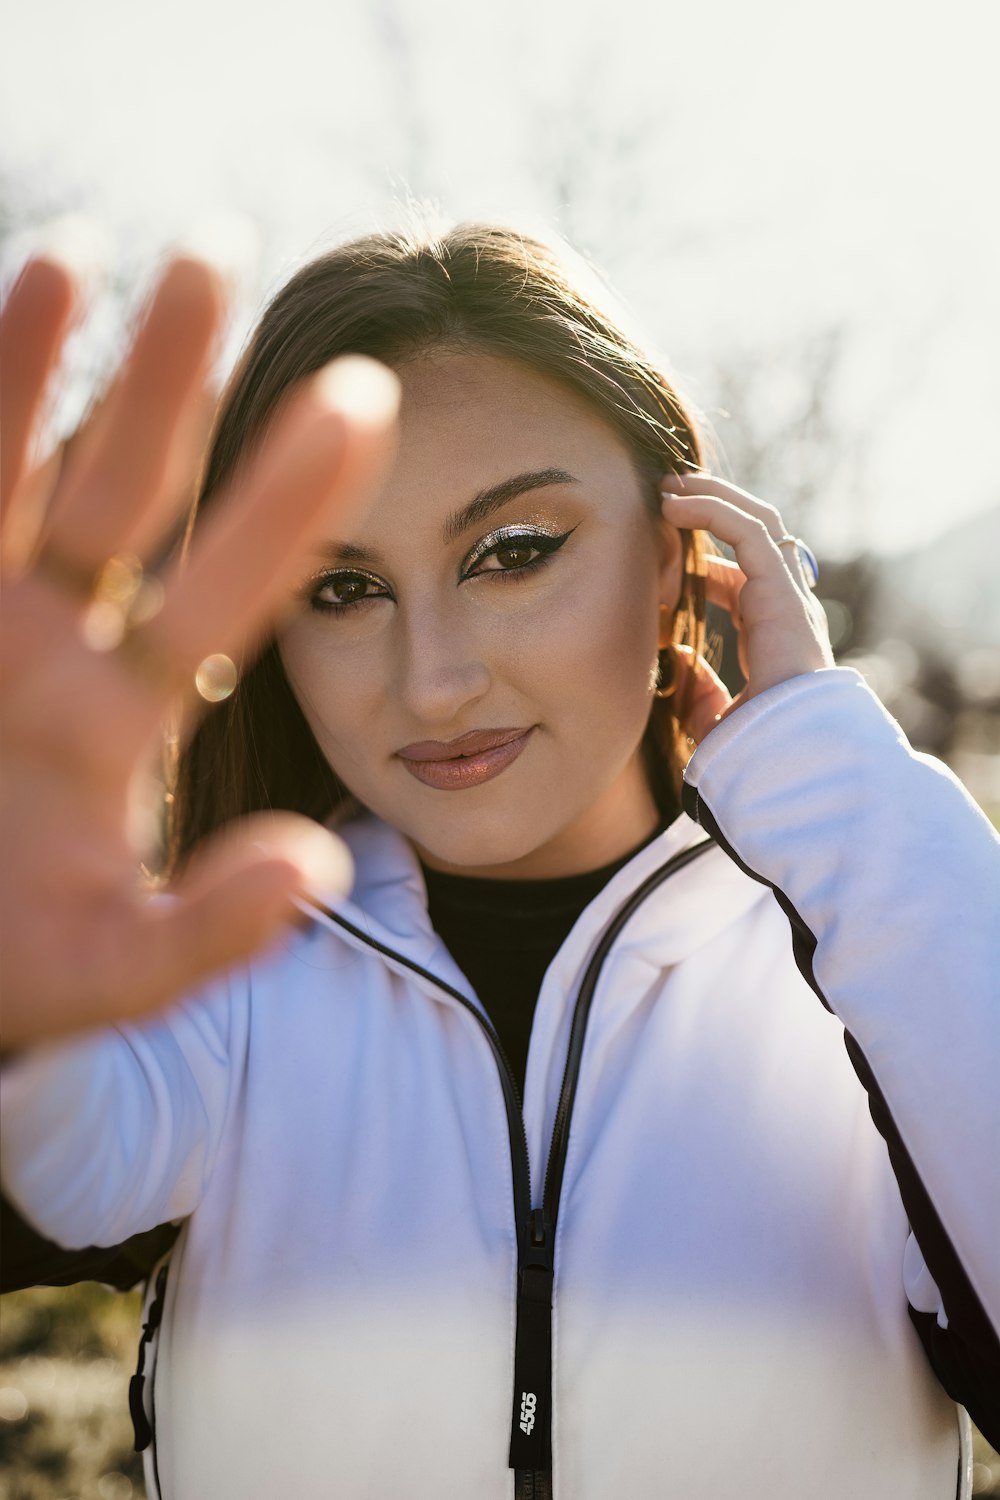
point(672, 551)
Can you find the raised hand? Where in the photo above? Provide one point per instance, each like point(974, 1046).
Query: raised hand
point(768, 592)
point(86, 687)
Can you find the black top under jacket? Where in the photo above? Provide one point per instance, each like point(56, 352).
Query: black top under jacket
point(503, 934)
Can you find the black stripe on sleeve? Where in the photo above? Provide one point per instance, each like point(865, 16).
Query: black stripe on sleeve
point(965, 1356)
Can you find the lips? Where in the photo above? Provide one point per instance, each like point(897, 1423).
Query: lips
point(465, 745)
point(453, 765)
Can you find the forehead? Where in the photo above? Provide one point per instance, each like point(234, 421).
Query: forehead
point(471, 420)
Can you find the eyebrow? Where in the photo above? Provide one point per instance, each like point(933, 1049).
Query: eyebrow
point(478, 509)
point(490, 500)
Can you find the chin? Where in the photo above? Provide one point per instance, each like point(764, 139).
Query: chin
point(487, 840)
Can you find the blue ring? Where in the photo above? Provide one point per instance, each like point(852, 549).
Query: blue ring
point(809, 558)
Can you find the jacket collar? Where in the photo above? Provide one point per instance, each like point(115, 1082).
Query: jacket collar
point(389, 902)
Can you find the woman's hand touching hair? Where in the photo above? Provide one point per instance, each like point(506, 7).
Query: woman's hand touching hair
point(90, 675)
point(780, 624)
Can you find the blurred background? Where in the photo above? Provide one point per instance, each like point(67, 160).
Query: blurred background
point(793, 204)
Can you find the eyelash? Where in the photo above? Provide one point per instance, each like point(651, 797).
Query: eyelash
point(541, 542)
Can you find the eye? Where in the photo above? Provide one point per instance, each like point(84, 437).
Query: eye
point(337, 593)
point(509, 556)
point(516, 551)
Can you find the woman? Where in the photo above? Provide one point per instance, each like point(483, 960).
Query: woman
point(689, 1244)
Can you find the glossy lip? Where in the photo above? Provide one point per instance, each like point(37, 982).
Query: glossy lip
point(466, 761)
point(464, 744)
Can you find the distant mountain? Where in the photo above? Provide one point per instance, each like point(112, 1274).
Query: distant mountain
point(946, 593)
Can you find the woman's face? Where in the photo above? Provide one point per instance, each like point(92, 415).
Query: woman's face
point(507, 582)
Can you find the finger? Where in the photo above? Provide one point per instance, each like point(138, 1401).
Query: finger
point(690, 485)
point(785, 632)
point(237, 893)
point(121, 484)
point(793, 562)
point(710, 484)
point(317, 862)
point(747, 532)
point(724, 579)
point(318, 466)
point(724, 584)
point(707, 696)
point(33, 327)
point(193, 940)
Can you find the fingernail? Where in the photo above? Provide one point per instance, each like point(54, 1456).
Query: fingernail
point(230, 243)
point(359, 388)
point(82, 246)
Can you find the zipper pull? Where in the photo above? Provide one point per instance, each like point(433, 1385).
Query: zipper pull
point(531, 1423)
point(538, 1236)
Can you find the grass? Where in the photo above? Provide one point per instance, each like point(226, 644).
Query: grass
point(65, 1361)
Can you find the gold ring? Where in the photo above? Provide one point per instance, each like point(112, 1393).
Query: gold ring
point(124, 597)
point(123, 600)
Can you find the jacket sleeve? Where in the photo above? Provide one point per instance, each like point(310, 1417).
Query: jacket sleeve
point(890, 877)
point(115, 1133)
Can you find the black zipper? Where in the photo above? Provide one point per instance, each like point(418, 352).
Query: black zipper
point(533, 1484)
point(533, 1338)
point(530, 1454)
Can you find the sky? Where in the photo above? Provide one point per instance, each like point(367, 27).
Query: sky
point(795, 202)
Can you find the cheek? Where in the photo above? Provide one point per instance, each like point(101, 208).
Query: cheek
point(589, 646)
point(336, 690)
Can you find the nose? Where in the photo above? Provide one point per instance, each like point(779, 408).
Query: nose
point(441, 668)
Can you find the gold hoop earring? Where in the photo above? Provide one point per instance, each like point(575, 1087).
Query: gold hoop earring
point(667, 675)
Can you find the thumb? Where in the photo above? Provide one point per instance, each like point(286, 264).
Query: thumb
point(235, 896)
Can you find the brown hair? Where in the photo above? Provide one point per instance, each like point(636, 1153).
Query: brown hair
point(480, 288)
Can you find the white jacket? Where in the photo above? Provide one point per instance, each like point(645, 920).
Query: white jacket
point(732, 1259)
